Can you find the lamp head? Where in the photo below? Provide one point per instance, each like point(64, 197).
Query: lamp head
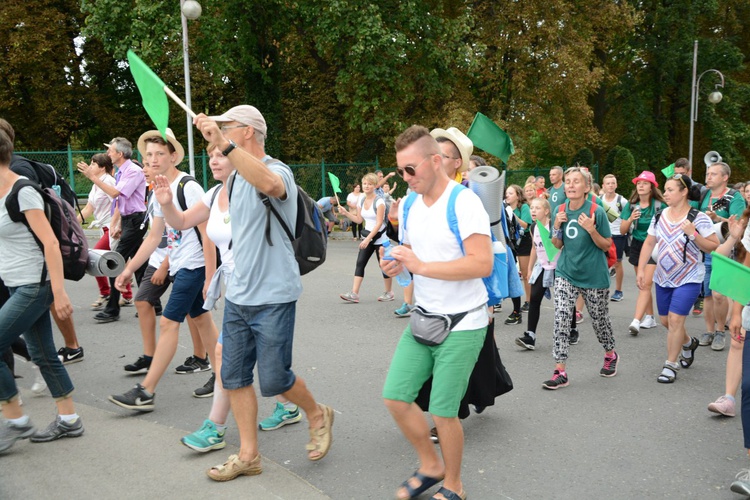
point(715, 97)
point(191, 9)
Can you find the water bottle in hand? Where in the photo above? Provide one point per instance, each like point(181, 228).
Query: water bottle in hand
point(403, 278)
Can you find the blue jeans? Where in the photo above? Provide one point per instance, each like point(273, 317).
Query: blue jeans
point(258, 333)
point(27, 313)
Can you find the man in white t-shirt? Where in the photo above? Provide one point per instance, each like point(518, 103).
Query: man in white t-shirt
point(448, 281)
point(616, 202)
point(187, 270)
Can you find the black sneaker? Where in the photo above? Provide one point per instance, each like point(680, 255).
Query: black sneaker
point(105, 317)
point(497, 307)
point(141, 365)
point(194, 364)
point(527, 341)
point(525, 307)
point(609, 369)
point(698, 306)
point(135, 399)
point(514, 318)
point(207, 389)
point(574, 336)
point(68, 355)
point(558, 380)
point(58, 429)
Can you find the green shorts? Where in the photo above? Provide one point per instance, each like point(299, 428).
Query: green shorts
point(449, 363)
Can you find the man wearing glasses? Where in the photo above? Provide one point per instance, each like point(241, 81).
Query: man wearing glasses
point(448, 281)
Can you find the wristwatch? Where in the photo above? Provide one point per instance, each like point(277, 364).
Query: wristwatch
point(692, 236)
point(230, 148)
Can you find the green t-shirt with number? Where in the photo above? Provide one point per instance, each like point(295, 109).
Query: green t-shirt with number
point(556, 197)
point(581, 262)
point(640, 226)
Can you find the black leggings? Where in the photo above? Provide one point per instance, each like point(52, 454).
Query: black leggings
point(364, 257)
point(357, 229)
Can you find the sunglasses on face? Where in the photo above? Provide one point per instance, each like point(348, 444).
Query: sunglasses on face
point(411, 170)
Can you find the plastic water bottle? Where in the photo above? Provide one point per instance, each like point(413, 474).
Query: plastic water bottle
point(403, 278)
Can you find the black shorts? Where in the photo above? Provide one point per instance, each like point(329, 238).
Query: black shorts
point(635, 253)
point(620, 244)
point(523, 249)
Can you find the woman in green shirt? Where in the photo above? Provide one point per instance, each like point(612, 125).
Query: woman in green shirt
point(643, 204)
point(516, 200)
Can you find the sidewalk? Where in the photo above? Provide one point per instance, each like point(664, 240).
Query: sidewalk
point(107, 462)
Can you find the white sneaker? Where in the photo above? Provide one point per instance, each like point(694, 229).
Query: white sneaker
point(635, 327)
point(39, 385)
point(648, 322)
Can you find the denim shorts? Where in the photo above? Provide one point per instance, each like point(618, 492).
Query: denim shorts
point(707, 263)
point(258, 333)
point(187, 295)
point(677, 300)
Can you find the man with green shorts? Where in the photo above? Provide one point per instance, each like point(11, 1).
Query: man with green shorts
point(447, 280)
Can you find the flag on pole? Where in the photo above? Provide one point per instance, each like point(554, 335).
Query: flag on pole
point(668, 171)
point(152, 92)
point(730, 278)
point(335, 183)
point(486, 135)
point(549, 248)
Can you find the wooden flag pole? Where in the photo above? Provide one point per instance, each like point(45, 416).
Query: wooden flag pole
point(178, 101)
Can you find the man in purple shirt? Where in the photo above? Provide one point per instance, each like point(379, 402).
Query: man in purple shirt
point(129, 194)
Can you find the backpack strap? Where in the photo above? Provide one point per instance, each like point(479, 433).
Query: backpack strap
point(270, 209)
point(183, 202)
point(451, 214)
point(407, 203)
point(14, 213)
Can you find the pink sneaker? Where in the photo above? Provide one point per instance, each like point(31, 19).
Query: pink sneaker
point(722, 406)
point(579, 318)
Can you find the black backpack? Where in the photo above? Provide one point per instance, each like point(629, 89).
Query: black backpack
point(310, 237)
point(74, 246)
point(691, 215)
point(45, 176)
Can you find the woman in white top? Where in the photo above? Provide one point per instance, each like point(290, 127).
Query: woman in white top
point(100, 205)
point(352, 201)
point(371, 212)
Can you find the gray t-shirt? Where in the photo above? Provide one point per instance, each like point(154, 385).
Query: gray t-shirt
point(22, 259)
point(263, 274)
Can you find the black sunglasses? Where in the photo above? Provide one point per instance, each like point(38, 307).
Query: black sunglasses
point(409, 169)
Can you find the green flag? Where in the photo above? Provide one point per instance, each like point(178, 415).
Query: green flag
point(668, 171)
point(486, 135)
point(730, 278)
point(549, 248)
point(152, 92)
point(335, 183)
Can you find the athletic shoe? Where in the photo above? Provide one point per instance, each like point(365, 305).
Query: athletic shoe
point(514, 319)
point(719, 342)
point(194, 364)
point(141, 365)
point(612, 272)
point(648, 322)
point(723, 406)
point(579, 317)
point(350, 297)
point(698, 307)
point(527, 341)
point(58, 429)
point(386, 297)
point(609, 369)
point(207, 438)
point(100, 303)
point(497, 307)
point(207, 389)
point(434, 436)
point(617, 296)
point(635, 327)
point(706, 339)
point(68, 356)
point(126, 302)
point(10, 433)
point(525, 307)
point(558, 380)
point(39, 385)
point(741, 484)
point(574, 336)
point(280, 417)
point(135, 399)
point(404, 310)
point(104, 317)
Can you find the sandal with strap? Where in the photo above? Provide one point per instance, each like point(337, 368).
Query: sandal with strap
point(686, 362)
point(449, 495)
point(234, 467)
point(425, 483)
point(667, 379)
point(321, 438)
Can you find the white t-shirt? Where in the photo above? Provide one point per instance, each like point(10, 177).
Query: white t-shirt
point(219, 227)
point(370, 217)
point(614, 226)
point(183, 247)
point(22, 259)
point(102, 202)
point(158, 256)
point(353, 199)
point(431, 239)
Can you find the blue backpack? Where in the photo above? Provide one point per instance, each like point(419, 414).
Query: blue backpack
point(497, 282)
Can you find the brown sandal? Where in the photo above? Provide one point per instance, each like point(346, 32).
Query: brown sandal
point(321, 438)
point(234, 467)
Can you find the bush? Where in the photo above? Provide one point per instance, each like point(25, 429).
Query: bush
point(624, 166)
point(609, 163)
point(584, 157)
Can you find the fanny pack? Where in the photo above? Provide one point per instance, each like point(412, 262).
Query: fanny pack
point(377, 236)
point(432, 329)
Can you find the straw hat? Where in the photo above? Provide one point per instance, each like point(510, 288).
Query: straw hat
point(170, 137)
point(463, 144)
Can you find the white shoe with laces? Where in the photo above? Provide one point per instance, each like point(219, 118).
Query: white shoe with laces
point(648, 322)
point(39, 385)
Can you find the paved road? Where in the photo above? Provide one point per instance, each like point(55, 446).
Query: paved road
point(622, 438)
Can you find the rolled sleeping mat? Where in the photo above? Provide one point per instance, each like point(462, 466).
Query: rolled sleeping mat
point(489, 184)
point(722, 231)
point(105, 263)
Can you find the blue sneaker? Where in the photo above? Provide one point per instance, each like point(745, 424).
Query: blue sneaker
point(207, 438)
point(404, 310)
point(281, 417)
point(617, 296)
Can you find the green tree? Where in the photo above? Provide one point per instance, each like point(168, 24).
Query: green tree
point(584, 157)
point(624, 166)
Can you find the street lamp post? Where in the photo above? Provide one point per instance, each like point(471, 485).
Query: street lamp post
point(190, 9)
point(714, 97)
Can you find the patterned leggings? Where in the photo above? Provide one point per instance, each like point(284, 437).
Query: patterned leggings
point(597, 303)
